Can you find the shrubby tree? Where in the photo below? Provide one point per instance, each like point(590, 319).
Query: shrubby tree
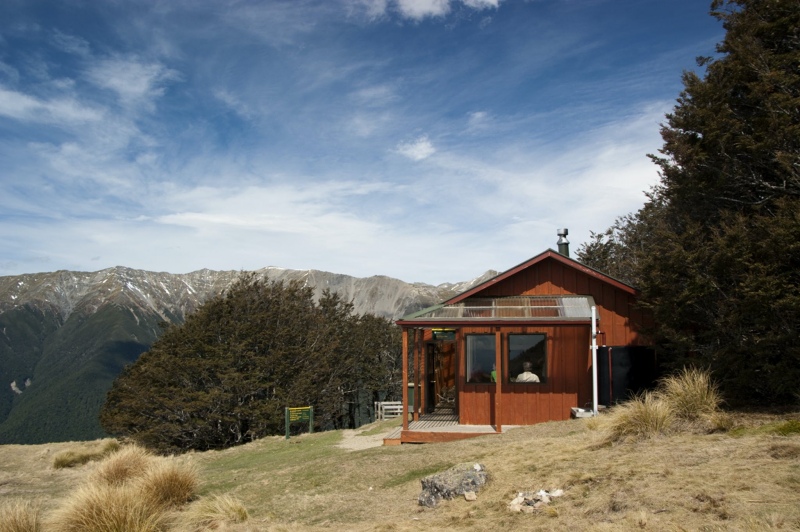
point(716, 250)
point(225, 376)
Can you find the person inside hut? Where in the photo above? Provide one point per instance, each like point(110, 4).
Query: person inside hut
point(527, 375)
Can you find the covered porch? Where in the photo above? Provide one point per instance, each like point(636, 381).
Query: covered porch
point(438, 427)
point(462, 362)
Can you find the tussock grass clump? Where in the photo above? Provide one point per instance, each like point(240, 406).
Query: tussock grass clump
point(131, 490)
point(688, 401)
point(129, 462)
point(169, 483)
point(691, 394)
point(72, 458)
point(211, 513)
point(19, 516)
point(644, 416)
point(103, 507)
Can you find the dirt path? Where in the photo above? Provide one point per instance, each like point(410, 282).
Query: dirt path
point(354, 440)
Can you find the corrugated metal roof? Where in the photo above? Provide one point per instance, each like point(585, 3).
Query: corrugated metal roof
point(539, 308)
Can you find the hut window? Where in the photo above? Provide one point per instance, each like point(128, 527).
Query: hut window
point(527, 358)
point(480, 357)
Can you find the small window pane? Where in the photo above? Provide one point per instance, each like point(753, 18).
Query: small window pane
point(480, 358)
point(527, 358)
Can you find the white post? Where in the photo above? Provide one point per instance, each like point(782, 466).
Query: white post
point(594, 360)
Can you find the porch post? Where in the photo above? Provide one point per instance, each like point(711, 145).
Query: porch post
point(417, 381)
point(498, 386)
point(404, 391)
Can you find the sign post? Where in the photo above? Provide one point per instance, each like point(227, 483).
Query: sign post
point(300, 413)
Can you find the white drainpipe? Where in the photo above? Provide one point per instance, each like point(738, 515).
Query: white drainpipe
point(594, 360)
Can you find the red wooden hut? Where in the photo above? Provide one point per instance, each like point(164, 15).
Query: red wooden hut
point(514, 350)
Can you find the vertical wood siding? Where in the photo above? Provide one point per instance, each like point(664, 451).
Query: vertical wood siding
point(568, 382)
point(619, 317)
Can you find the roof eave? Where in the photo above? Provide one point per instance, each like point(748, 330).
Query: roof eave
point(539, 258)
point(477, 322)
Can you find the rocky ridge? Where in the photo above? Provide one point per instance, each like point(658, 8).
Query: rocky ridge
point(65, 336)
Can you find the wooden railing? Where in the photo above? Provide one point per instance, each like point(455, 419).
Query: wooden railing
point(388, 410)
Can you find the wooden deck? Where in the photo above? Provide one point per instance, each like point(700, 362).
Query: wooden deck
point(437, 427)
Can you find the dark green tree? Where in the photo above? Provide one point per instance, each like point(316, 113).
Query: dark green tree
point(619, 250)
point(716, 252)
point(225, 376)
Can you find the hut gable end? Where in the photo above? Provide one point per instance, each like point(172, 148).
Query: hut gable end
point(551, 273)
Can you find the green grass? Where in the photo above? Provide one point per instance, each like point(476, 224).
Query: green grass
point(781, 428)
point(416, 474)
point(382, 426)
point(788, 428)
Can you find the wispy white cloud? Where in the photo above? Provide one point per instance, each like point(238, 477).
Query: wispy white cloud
point(418, 149)
point(478, 120)
point(482, 4)
point(419, 9)
point(24, 107)
point(238, 105)
point(413, 9)
point(375, 95)
point(372, 10)
point(9, 72)
point(135, 82)
point(71, 43)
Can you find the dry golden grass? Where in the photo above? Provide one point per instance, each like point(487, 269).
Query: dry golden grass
point(129, 462)
point(107, 508)
point(80, 456)
point(211, 513)
point(685, 402)
point(131, 490)
point(645, 416)
point(168, 483)
point(19, 516)
point(747, 479)
point(691, 394)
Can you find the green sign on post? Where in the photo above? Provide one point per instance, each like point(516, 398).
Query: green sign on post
point(300, 413)
point(444, 334)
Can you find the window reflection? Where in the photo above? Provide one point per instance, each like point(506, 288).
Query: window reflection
point(527, 358)
point(480, 357)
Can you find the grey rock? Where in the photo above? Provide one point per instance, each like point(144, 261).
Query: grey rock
point(455, 482)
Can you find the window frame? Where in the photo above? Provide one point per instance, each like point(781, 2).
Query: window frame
point(540, 369)
point(469, 370)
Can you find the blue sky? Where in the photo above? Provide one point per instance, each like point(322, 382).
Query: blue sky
point(428, 140)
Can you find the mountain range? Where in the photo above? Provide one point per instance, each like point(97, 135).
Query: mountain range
point(65, 336)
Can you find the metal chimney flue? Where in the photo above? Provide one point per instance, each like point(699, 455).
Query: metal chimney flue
point(563, 243)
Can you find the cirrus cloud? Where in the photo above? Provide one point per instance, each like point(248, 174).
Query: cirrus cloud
point(418, 149)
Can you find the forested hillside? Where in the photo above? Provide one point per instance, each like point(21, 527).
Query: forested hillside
point(225, 376)
point(67, 335)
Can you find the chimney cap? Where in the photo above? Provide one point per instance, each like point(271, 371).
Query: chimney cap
point(563, 243)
